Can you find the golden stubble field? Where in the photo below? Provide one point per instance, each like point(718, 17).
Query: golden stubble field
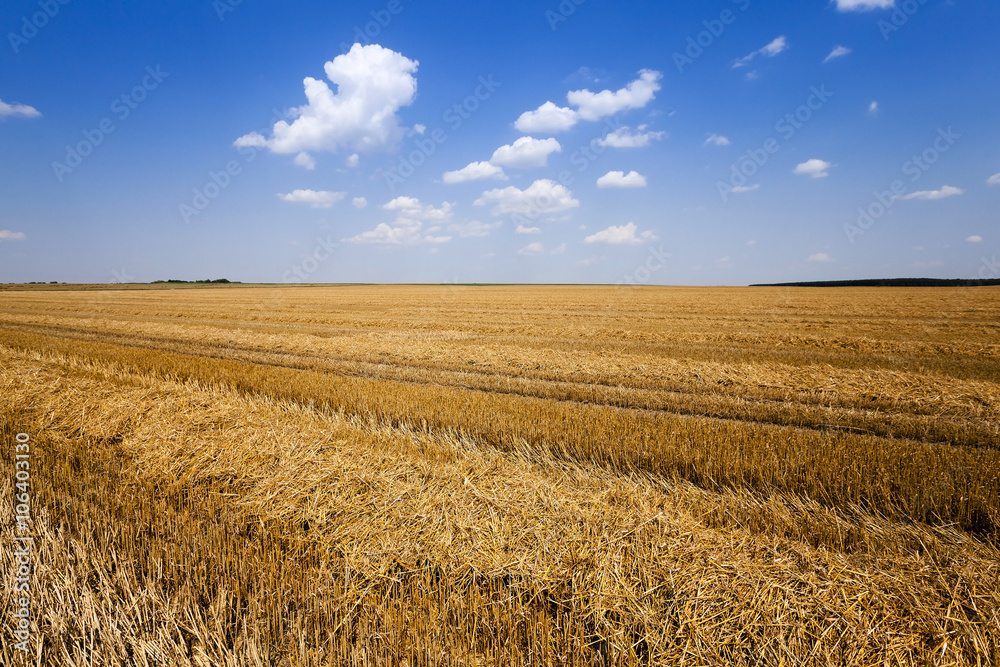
point(452, 475)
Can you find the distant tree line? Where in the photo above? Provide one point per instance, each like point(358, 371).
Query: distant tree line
point(892, 282)
point(196, 282)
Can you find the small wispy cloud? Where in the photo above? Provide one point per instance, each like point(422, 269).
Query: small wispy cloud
point(994, 179)
point(716, 140)
point(864, 5)
point(623, 137)
point(16, 109)
point(315, 198)
point(873, 108)
point(8, 235)
point(475, 171)
point(944, 192)
point(814, 168)
point(773, 48)
point(820, 257)
point(619, 179)
point(305, 160)
point(975, 238)
point(621, 235)
point(838, 52)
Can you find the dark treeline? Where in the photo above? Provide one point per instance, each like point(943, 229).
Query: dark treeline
point(891, 282)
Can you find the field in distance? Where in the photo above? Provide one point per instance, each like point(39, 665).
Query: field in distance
point(570, 475)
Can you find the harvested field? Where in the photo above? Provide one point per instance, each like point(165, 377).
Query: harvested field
point(429, 475)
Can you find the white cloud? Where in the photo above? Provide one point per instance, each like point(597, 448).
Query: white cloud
point(474, 228)
point(619, 179)
point(359, 202)
point(526, 152)
point(535, 248)
point(521, 229)
point(474, 172)
point(815, 168)
point(315, 198)
point(994, 179)
point(7, 235)
point(372, 84)
point(945, 191)
point(591, 106)
point(740, 189)
point(16, 109)
point(623, 138)
point(716, 140)
point(873, 108)
point(620, 235)
point(541, 197)
point(975, 238)
point(637, 94)
point(352, 160)
point(769, 50)
point(559, 249)
point(547, 118)
point(863, 5)
point(305, 160)
point(838, 52)
point(407, 228)
point(820, 257)
point(419, 128)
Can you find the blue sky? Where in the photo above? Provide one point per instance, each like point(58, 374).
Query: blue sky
point(723, 142)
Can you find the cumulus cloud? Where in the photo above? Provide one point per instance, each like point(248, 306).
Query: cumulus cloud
point(820, 257)
point(975, 238)
point(547, 118)
point(526, 152)
point(408, 226)
point(474, 228)
point(863, 5)
point(315, 198)
point(769, 50)
point(16, 109)
point(838, 52)
point(535, 248)
point(372, 83)
point(994, 179)
point(541, 197)
point(945, 191)
point(621, 235)
point(716, 140)
point(521, 229)
point(475, 171)
point(637, 94)
point(352, 160)
point(8, 235)
point(815, 168)
point(624, 138)
point(591, 106)
point(359, 202)
point(619, 179)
